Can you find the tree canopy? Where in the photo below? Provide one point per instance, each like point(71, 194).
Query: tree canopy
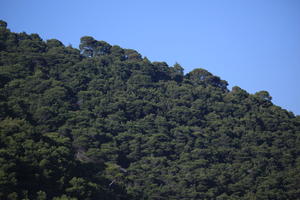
point(103, 122)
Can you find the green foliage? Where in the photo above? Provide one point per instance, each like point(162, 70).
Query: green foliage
point(103, 122)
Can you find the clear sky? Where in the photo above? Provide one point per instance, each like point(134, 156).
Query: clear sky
point(254, 44)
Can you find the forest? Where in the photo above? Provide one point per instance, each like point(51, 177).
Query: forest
point(101, 122)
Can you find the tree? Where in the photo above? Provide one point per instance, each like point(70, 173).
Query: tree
point(87, 46)
point(263, 95)
point(177, 72)
point(3, 24)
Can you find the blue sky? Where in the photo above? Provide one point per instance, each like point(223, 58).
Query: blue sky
point(254, 44)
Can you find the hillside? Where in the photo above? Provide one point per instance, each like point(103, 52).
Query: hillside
point(103, 122)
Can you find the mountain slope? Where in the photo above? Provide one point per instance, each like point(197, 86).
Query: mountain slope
point(103, 122)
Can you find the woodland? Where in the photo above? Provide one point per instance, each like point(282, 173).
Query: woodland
point(101, 122)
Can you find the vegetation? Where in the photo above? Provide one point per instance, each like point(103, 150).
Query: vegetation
point(102, 122)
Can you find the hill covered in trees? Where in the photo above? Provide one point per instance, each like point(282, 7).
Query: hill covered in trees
point(103, 122)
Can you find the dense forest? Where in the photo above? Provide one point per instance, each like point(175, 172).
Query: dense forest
point(102, 122)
